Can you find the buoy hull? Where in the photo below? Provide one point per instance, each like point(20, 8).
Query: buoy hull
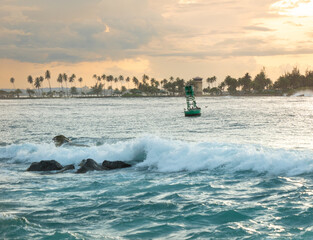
point(193, 112)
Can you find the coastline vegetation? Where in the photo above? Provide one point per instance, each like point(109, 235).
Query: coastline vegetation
point(108, 85)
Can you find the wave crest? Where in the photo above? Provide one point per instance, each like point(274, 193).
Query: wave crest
point(172, 155)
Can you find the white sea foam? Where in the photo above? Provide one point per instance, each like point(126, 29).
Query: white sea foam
point(168, 156)
point(7, 216)
point(172, 155)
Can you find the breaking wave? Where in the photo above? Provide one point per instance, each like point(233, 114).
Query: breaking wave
point(166, 155)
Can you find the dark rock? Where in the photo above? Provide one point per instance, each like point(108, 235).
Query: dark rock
point(109, 165)
point(82, 163)
point(67, 167)
point(89, 165)
point(45, 165)
point(60, 140)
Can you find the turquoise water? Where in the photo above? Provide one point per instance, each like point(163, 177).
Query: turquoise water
point(243, 170)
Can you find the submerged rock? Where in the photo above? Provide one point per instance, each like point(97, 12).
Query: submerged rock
point(89, 165)
point(85, 166)
point(49, 165)
point(109, 165)
point(45, 165)
point(60, 140)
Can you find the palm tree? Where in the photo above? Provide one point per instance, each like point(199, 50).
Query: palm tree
point(145, 78)
point(309, 78)
point(30, 80)
point(180, 84)
point(157, 84)
point(121, 78)
point(128, 80)
point(135, 81)
point(222, 86)
point(103, 78)
point(211, 80)
point(296, 78)
point(48, 76)
point(261, 81)
point(65, 80)
point(245, 82)
point(72, 78)
point(95, 77)
point(232, 84)
point(115, 80)
point(38, 84)
point(163, 82)
point(60, 80)
point(97, 89)
point(41, 79)
point(110, 79)
point(12, 80)
point(80, 80)
point(98, 85)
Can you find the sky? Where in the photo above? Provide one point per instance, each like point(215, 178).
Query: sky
point(163, 38)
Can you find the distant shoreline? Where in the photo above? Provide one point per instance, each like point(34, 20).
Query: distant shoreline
point(93, 97)
point(293, 92)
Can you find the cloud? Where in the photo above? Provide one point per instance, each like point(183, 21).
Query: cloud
point(293, 7)
point(60, 29)
point(98, 30)
point(288, 4)
point(293, 24)
point(187, 1)
point(258, 28)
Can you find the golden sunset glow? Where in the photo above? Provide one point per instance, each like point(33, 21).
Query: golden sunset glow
point(187, 1)
point(297, 8)
point(184, 38)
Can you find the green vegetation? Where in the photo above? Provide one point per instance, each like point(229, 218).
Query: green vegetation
point(108, 85)
point(294, 80)
point(30, 92)
point(288, 83)
point(47, 76)
point(12, 80)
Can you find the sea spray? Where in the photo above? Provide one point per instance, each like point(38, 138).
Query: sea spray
point(166, 155)
point(303, 93)
point(172, 156)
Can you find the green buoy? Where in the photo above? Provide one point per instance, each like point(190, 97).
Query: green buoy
point(192, 109)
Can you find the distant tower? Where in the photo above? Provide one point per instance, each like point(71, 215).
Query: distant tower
point(197, 83)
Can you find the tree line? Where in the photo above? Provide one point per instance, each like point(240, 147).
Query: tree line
point(261, 84)
point(150, 86)
point(119, 85)
point(103, 84)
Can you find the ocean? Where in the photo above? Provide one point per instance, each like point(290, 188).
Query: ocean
point(243, 170)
